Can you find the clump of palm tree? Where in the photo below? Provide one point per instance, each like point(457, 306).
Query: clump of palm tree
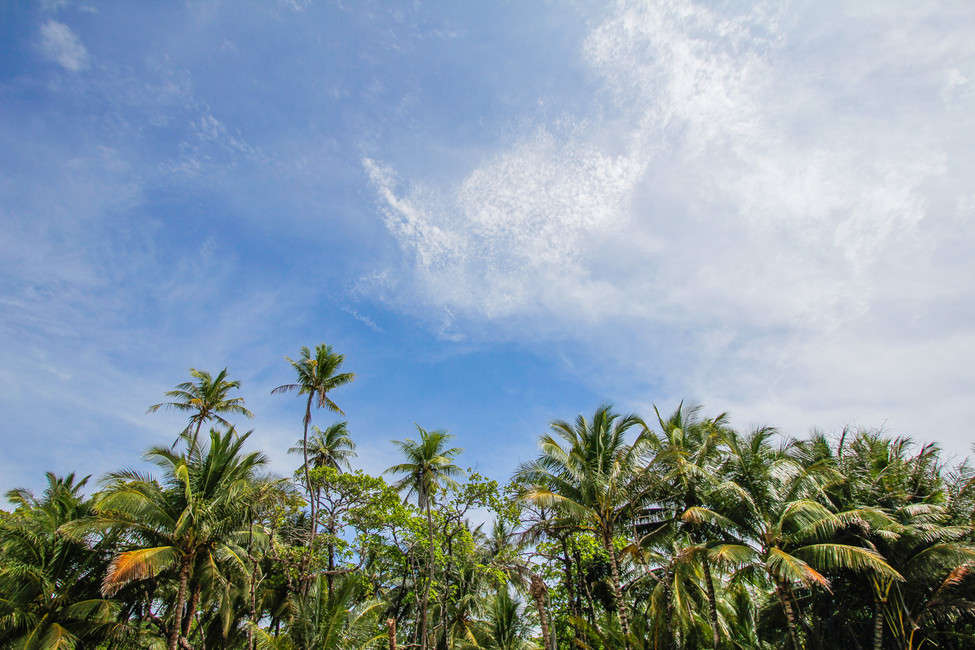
point(49, 591)
point(588, 471)
point(184, 526)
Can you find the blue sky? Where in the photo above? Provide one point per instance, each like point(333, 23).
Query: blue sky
point(501, 213)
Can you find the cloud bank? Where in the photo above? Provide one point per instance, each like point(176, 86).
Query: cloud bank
point(764, 206)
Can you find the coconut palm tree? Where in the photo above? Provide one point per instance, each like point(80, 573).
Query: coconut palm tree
point(922, 541)
point(206, 398)
point(317, 376)
point(49, 592)
point(329, 448)
point(184, 527)
point(588, 471)
point(774, 506)
point(325, 621)
point(687, 457)
point(428, 467)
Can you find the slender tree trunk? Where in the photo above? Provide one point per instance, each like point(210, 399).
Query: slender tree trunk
point(665, 629)
point(196, 434)
point(790, 615)
point(253, 582)
point(617, 591)
point(311, 497)
point(191, 611)
point(331, 555)
point(712, 601)
point(391, 632)
point(669, 635)
point(571, 590)
point(538, 590)
point(429, 584)
point(184, 574)
point(878, 623)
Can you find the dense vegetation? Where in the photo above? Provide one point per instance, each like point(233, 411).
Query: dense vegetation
point(625, 532)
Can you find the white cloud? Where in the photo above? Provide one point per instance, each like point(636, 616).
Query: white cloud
point(61, 45)
point(767, 183)
point(517, 229)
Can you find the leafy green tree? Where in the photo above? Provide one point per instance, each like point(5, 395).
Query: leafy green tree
point(316, 377)
point(206, 398)
point(429, 466)
point(330, 449)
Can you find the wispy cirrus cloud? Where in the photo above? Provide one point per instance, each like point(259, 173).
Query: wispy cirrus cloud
point(61, 45)
point(754, 190)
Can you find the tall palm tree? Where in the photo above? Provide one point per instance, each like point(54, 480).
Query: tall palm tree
point(317, 376)
point(429, 466)
point(185, 526)
point(206, 398)
point(329, 448)
point(588, 470)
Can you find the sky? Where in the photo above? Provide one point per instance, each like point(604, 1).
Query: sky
point(501, 213)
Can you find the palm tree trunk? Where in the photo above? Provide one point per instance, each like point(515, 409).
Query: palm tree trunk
point(538, 590)
point(191, 611)
point(391, 632)
point(712, 601)
point(429, 584)
point(790, 615)
point(311, 497)
point(184, 574)
point(196, 434)
point(617, 591)
point(668, 610)
point(878, 624)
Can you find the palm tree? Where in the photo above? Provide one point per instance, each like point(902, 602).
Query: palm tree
point(185, 526)
point(428, 466)
point(774, 506)
point(589, 472)
point(49, 595)
point(329, 448)
point(506, 624)
point(687, 457)
point(921, 541)
point(317, 376)
point(206, 399)
point(325, 621)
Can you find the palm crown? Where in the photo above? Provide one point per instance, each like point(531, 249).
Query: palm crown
point(206, 398)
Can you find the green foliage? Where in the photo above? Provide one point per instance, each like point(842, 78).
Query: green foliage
point(688, 535)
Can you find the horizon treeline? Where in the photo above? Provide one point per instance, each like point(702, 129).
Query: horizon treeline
point(669, 530)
